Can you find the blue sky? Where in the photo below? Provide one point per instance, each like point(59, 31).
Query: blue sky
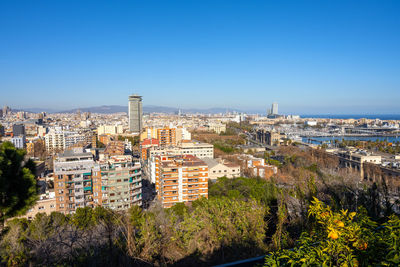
point(309, 56)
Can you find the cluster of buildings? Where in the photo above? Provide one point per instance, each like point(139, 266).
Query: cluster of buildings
point(88, 160)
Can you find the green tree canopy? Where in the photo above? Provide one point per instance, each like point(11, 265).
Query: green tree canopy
point(18, 190)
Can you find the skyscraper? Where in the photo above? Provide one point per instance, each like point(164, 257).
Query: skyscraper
point(274, 108)
point(135, 113)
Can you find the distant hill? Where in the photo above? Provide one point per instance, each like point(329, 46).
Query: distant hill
point(146, 109)
point(99, 109)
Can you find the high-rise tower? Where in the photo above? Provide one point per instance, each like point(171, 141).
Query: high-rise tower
point(274, 108)
point(135, 113)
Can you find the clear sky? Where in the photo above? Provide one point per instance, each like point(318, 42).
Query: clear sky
point(309, 56)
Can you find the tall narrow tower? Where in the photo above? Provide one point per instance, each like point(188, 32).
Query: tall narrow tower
point(135, 114)
point(274, 109)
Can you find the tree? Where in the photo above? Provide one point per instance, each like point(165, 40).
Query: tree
point(342, 238)
point(18, 190)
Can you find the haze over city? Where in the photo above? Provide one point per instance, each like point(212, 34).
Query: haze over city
point(340, 57)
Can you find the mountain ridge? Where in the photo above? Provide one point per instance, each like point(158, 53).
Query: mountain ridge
point(109, 109)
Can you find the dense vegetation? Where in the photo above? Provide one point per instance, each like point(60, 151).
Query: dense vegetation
point(287, 218)
point(210, 231)
point(17, 182)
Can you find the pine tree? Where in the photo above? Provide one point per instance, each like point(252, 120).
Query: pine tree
point(18, 190)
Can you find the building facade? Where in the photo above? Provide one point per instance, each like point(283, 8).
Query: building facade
point(182, 178)
point(121, 183)
point(80, 181)
point(218, 168)
point(18, 129)
point(19, 141)
point(135, 113)
point(74, 175)
point(198, 149)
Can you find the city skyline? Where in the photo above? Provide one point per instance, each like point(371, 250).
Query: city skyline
point(311, 58)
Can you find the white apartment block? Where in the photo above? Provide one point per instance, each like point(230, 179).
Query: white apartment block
point(60, 140)
point(110, 129)
point(198, 149)
point(19, 141)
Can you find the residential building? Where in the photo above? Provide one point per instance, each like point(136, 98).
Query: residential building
point(46, 204)
point(41, 131)
point(113, 148)
point(167, 136)
point(105, 139)
point(30, 148)
point(135, 114)
point(19, 141)
point(61, 140)
point(18, 129)
point(219, 168)
point(182, 134)
point(145, 144)
point(110, 129)
point(186, 147)
point(182, 178)
point(75, 173)
point(121, 183)
point(256, 167)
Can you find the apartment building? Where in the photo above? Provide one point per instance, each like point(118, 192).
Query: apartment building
point(110, 129)
point(75, 174)
point(19, 141)
point(61, 140)
point(145, 144)
point(181, 178)
point(198, 149)
point(182, 134)
point(166, 136)
point(121, 183)
point(79, 181)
